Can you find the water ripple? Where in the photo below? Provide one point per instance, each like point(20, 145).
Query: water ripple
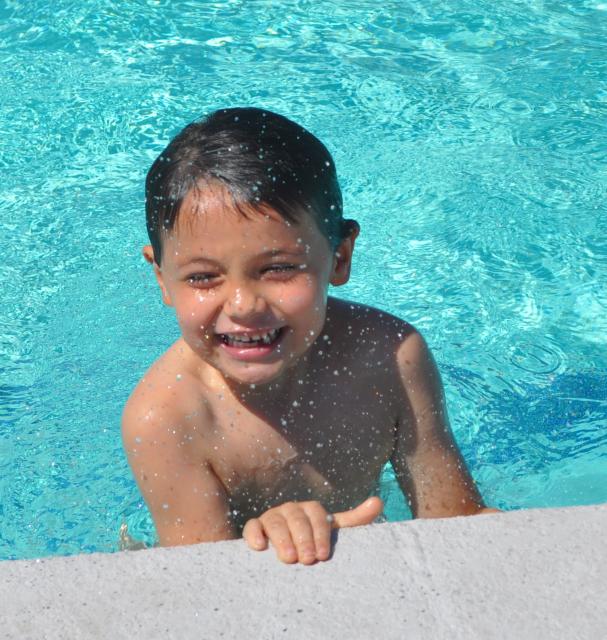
point(470, 143)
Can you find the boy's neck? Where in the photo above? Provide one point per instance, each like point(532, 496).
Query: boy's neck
point(274, 394)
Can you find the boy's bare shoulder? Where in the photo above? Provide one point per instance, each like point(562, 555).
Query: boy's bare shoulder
point(369, 324)
point(377, 343)
point(168, 396)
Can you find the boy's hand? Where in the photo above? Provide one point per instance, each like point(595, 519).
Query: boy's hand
point(301, 531)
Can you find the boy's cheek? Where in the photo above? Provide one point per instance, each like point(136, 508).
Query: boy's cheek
point(164, 290)
point(306, 296)
point(191, 320)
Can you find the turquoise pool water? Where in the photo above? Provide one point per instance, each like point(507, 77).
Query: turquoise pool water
point(471, 144)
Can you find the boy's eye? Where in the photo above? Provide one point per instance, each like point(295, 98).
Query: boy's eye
point(202, 279)
point(280, 268)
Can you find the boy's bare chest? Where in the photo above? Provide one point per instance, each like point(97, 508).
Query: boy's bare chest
point(332, 451)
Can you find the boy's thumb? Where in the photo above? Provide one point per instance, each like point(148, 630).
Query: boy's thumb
point(365, 513)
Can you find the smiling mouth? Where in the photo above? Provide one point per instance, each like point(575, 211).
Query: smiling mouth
point(250, 340)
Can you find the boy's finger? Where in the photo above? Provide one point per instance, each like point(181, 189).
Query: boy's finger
point(303, 536)
point(365, 513)
point(254, 535)
point(277, 530)
point(321, 527)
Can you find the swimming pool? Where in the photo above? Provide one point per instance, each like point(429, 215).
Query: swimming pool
point(470, 144)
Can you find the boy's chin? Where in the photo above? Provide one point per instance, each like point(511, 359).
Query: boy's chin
point(254, 374)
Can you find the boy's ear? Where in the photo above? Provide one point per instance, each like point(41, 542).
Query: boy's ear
point(342, 260)
point(148, 254)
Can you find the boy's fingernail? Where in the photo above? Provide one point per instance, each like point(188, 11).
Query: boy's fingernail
point(323, 552)
point(289, 553)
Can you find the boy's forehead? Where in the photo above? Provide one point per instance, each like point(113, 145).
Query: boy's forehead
point(210, 217)
point(211, 214)
point(216, 205)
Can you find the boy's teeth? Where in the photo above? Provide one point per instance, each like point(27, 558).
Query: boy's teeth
point(266, 338)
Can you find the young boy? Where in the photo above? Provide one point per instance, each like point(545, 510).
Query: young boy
point(273, 414)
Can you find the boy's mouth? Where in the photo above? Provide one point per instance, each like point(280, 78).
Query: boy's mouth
point(250, 340)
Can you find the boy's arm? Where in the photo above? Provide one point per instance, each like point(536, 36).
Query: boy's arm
point(427, 462)
point(187, 501)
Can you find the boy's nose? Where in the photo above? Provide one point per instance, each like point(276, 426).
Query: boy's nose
point(244, 303)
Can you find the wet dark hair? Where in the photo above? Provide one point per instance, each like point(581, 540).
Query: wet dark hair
point(260, 157)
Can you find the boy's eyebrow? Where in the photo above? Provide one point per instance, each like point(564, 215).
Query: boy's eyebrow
point(271, 253)
point(203, 259)
point(277, 252)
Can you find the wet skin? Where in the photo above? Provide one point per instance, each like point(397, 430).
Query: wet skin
point(279, 404)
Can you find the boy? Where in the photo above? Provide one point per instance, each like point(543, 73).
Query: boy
point(274, 412)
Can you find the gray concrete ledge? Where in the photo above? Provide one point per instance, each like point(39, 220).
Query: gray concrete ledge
point(527, 574)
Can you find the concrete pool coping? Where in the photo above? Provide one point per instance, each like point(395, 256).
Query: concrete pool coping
point(527, 574)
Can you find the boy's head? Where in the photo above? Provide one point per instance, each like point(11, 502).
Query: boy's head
point(260, 158)
point(244, 214)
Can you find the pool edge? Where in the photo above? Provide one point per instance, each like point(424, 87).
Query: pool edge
point(532, 573)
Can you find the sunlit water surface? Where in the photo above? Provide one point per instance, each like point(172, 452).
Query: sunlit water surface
point(470, 141)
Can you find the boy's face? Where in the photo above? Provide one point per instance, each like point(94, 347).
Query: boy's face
point(249, 293)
